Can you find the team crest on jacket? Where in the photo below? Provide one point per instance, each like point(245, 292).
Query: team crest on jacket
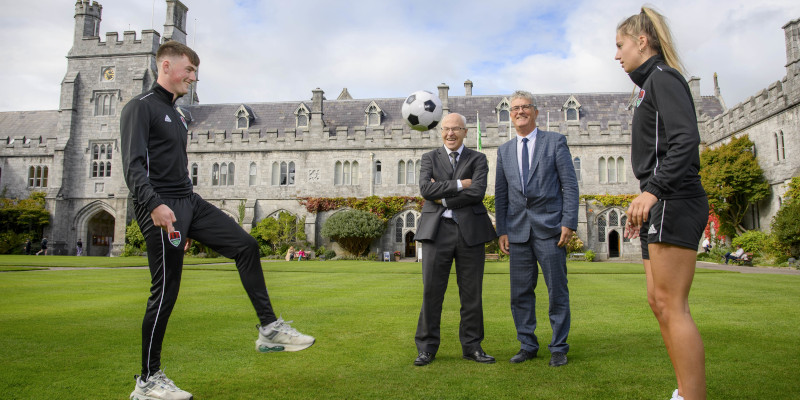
point(175, 238)
point(640, 98)
point(184, 123)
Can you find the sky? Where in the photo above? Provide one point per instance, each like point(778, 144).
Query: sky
point(262, 51)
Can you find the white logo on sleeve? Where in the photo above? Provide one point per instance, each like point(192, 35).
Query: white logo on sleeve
point(166, 118)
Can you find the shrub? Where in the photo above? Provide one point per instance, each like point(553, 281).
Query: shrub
point(354, 230)
point(330, 254)
point(786, 227)
point(575, 244)
point(134, 241)
point(13, 243)
point(589, 254)
point(751, 241)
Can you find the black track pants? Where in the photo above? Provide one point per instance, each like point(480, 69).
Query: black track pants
point(201, 221)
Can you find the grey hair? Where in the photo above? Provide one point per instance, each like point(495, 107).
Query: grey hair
point(522, 94)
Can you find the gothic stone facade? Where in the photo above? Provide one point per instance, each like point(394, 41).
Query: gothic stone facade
point(264, 156)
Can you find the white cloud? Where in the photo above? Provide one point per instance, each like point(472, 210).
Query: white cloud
point(254, 51)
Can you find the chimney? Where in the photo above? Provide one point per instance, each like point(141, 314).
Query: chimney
point(443, 96)
point(468, 88)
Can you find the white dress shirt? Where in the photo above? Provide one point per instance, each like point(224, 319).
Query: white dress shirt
point(449, 213)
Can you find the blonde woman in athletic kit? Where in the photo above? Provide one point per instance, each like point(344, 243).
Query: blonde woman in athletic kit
point(671, 213)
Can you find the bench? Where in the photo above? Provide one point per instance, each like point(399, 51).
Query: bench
point(492, 257)
point(747, 260)
point(577, 256)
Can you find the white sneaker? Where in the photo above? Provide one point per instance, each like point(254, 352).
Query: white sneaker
point(158, 387)
point(676, 396)
point(280, 336)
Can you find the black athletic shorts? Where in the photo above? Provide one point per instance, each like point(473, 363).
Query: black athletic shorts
point(678, 221)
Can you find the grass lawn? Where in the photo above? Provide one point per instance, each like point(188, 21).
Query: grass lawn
point(75, 334)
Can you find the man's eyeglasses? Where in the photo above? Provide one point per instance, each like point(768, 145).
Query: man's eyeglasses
point(453, 130)
point(525, 107)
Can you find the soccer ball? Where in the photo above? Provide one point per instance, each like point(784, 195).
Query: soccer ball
point(422, 110)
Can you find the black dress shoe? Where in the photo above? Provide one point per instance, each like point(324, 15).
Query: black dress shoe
point(479, 356)
point(522, 356)
point(558, 359)
point(424, 358)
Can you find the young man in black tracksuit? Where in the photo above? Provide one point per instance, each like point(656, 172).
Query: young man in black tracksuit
point(154, 161)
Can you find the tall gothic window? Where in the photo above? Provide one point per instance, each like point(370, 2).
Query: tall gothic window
point(601, 170)
point(231, 173)
point(104, 103)
point(410, 172)
point(409, 220)
point(215, 175)
point(101, 160)
point(601, 229)
point(223, 174)
point(253, 174)
point(612, 170)
point(337, 173)
point(398, 230)
point(576, 163)
point(401, 172)
point(37, 176)
point(194, 174)
point(621, 170)
point(377, 172)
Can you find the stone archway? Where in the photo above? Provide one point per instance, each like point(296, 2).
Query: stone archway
point(100, 234)
point(613, 244)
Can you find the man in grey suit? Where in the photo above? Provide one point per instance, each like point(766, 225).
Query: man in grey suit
point(454, 226)
point(536, 204)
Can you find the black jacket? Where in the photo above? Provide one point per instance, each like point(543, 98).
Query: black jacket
point(664, 145)
point(154, 137)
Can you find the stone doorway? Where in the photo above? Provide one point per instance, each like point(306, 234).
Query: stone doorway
point(100, 235)
point(613, 244)
point(411, 245)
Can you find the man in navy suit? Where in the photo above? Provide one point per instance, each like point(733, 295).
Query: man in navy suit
point(454, 226)
point(536, 203)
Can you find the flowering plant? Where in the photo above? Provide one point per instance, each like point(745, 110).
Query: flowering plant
point(397, 254)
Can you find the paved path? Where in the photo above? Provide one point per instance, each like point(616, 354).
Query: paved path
point(748, 270)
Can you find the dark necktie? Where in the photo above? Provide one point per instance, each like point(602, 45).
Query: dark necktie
point(454, 161)
point(525, 163)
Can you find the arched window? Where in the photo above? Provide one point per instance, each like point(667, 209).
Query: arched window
point(346, 171)
point(31, 174)
point(337, 173)
point(223, 174)
point(612, 170)
point(409, 220)
point(215, 175)
point(601, 229)
point(354, 172)
point(398, 230)
point(572, 114)
point(194, 174)
point(417, 167)
point(576, 163)
point(377, 172)
point(291, 172)
point(302, 119)
point(373, 116)
point(253, 172)
point(622, 223)
point(503, 117)
point(601, 170)
point(102, 171)
point(621, 170)
point(284, 173)
point(613, 218)
point(777, 148)
point(401, 172)
point(410, 172)
point(231, 173)
point(242, 122)
point(276, 174)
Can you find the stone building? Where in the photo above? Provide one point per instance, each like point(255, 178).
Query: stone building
point(254, 160)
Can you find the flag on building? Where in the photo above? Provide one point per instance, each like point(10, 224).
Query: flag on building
point(478, 118)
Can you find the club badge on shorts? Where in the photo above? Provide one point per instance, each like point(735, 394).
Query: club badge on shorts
point(175, 238)
point(640, 98)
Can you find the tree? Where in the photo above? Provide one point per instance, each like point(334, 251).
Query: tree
point(354, 230)
point(786, 223)
point(21, 220)
point(279, 231)
point(733, 181)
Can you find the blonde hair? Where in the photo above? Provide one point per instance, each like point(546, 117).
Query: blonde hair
point(654, 26)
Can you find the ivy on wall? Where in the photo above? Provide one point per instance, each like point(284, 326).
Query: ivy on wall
point(383, 207)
